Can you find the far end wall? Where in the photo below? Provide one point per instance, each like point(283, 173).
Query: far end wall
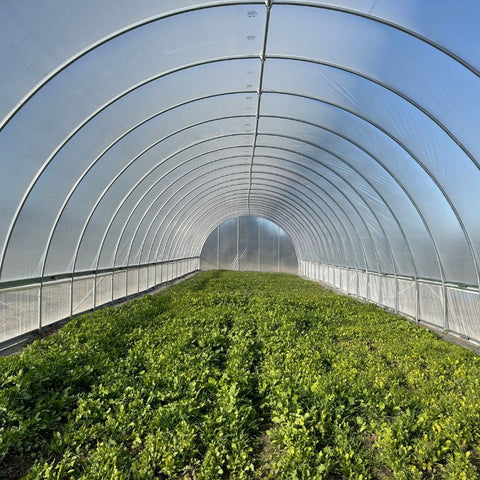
point(249, 243)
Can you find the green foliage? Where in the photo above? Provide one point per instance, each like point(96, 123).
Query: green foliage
point(242, 376)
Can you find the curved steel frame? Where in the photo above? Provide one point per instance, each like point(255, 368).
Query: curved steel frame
point(201, 206)
point(209, 212)
point(178, 191)
point(154, 201)
point(164, 175)
point(293, 232)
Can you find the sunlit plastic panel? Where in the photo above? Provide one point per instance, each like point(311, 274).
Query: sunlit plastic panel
point(18, 311)
point(391, 126)
point(369, 206)
point(142, 279)
point(352, 282)
point(288, 257)
point(160, 203)
point(463, 312)
point(336, 276)
point(228, 245)
point(83, 296)
point(132, 281)
point(331, 275)
point(374, 292)
point(269, 236)
point(129, 187)
point(158, 273)
point(103, 289)
point(164, 213)
point(431, 303)
point(417, 18)
point(385, 55)
point(388, 286)
point(151, 276)
point(407, 297)
point(347, 225)
point(249, 243)
point(56, 301)
point(170, 267)
point(119, 284)
point(362, 285)
point(211, 258)
point(81, 91)
point(343, 280)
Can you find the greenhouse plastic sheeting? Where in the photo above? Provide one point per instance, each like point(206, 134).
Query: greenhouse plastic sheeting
point(249, 243)
point(130, 131)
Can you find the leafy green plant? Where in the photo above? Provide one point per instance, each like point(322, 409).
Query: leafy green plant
point(242, 376)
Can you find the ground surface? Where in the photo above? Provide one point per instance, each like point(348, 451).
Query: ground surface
point(241, 376)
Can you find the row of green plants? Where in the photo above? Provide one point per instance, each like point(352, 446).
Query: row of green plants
point(241, 376)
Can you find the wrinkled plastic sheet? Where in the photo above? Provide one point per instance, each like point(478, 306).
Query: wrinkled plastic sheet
point(464, 312)
point(407, 297)
point(431, 303)
point(18, 311)
point(56, 298)
point(103, 293)
point(119, 284)
point(374, 288)
point(83, 294)
point(388, 287)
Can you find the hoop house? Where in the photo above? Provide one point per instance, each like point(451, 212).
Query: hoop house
point(130, 131)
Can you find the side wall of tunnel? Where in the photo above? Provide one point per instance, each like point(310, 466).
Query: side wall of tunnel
point(443, 306)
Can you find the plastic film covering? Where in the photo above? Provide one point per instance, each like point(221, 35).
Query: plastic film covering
point(56, 301)
point(119, 284)
point(431, 303)
point(249, 243)
point(362, 285)
point(159, 272)
point(407, 297)
point(103, 289)
point(19, 306)
point(83, 296)
point(18, 311)
point(388, 287)
point(151, 280)
point(374, 292)
point(350, 125)
point(352, 282)
point(463, 312)
point(132, 282)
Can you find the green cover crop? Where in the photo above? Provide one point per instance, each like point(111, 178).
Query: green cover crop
point(241, 376)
